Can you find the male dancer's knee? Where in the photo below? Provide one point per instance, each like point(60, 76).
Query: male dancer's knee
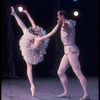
point(60, 73)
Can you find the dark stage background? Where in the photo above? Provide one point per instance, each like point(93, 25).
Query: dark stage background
point(44, 13)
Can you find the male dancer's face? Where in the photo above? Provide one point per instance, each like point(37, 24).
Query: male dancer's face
point(58, 15)
point(60, 18)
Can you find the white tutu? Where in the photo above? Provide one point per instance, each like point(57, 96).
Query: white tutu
point(32, 54)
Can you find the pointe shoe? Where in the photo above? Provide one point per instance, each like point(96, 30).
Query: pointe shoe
point(64, 95)
point(33, 90)
point(85, 98)
point(13, 11)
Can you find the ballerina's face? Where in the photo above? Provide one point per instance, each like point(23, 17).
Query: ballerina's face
point(37, 30)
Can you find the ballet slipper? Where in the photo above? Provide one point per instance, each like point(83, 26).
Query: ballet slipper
point(13, 11)
point(33, 90)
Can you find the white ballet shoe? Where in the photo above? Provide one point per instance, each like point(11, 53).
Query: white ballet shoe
point(33, 90)
point(85, 98)
point(64, 95)
point(13, 11)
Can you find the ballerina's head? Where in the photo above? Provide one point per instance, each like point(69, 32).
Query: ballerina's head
point(36, 31)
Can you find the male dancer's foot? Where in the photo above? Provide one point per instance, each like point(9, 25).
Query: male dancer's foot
point(64, 95)
point(87, 97)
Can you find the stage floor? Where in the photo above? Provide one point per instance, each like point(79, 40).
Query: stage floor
point(46, 89)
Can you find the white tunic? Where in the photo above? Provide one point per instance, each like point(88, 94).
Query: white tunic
point(68, 37)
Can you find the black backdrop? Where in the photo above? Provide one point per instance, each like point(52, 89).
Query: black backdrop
point(44, 14)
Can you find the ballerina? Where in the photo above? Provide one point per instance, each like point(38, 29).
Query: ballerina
point(33, 44)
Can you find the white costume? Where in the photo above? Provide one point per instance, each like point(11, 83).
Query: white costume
point(32, 54)
point(68, 37)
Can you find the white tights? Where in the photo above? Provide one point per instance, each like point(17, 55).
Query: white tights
point(71, 59)
point(29, 74)
point(20, 23)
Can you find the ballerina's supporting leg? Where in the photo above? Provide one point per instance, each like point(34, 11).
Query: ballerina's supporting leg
point(29, 74)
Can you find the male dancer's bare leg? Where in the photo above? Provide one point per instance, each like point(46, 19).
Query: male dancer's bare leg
point(73, 59)
point(61, 72)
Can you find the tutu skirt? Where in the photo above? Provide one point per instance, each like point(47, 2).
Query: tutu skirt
point(32, 54)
